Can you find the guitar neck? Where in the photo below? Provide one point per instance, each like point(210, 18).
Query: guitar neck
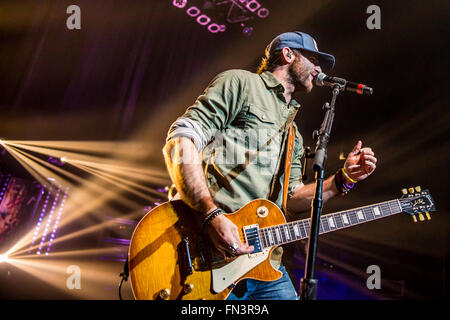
point(298, 230)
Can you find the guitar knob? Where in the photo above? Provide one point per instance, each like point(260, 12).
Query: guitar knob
point(262, 212)
point(188, 288)
point(418, 188)
point(164, 293)
point(411, 190)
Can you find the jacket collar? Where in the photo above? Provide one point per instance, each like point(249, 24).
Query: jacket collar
point(272, 82)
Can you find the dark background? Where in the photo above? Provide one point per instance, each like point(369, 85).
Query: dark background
point(136, 65)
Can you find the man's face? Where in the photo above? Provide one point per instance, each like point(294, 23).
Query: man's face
point(303, 70)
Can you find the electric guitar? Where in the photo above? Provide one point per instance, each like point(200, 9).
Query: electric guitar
point(169, 258)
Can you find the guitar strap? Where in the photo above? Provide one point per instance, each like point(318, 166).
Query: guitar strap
point(288, 163)
point(289, 144)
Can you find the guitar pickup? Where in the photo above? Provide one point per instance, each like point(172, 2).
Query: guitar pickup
point(251, 234)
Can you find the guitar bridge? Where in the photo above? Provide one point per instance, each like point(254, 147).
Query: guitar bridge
point(252, 238)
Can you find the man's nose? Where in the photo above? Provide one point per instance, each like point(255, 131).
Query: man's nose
point(318, 69)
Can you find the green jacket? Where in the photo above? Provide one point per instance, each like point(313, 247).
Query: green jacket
point(239, 125)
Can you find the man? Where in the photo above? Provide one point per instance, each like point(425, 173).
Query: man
point(227, 149)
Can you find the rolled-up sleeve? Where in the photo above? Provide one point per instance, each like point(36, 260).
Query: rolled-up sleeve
point(213, 110)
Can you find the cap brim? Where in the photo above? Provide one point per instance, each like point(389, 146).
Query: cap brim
point(326, 61)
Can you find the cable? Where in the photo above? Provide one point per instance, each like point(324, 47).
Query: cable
point(124, 276)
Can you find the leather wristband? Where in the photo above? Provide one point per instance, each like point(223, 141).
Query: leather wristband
point(210, 218)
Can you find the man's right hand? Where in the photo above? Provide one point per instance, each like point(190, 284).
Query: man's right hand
point(224, 233)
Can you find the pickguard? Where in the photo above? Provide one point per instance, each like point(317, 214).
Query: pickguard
point(226, 275)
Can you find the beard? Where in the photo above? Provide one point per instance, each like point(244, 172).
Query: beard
point(300, 78)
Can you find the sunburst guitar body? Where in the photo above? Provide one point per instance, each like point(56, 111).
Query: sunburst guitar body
point(169, 258)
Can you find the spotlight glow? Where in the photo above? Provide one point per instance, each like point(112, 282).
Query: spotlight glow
point(3, 258)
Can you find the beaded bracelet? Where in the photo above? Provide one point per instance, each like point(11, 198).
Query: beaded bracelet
point(210, 217)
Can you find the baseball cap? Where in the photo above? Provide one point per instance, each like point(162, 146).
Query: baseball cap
point(300, 40)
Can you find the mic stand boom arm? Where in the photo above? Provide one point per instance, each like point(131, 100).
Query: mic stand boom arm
point(308, 285)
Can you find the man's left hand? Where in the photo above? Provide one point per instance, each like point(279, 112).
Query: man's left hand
point(360, 163)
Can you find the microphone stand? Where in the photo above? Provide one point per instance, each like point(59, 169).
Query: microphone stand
point(308, 285)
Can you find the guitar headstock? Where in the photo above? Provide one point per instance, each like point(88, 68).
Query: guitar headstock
point(417, 202)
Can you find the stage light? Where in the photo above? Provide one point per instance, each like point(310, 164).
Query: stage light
point(247, 31)
point(3, 258)
point(179, 3)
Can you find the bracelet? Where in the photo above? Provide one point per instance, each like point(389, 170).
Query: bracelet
point(210, 217)
point(341, 185)
point(347, 176)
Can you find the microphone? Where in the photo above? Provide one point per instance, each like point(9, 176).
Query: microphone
point(322, 79)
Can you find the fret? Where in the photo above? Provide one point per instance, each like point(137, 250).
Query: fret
point(386, 209)
point(291, 231)
point(352, 216)
point(307, 227)
point(326, 226)
point(303, 229)
point(345, 218)
point(274, 235)
point(321, 230)
point(331, 222)
point(376, 211)
point(269, 234)
point(263, 237)
point(367, 213)
point(397, 206)
point(338, 220)
point(296, 231)
point(360, 214)
point(296, 234)
point(282, 234)
point(278, 235)
point(335, 221)
point(266, 235)
point(286, 233)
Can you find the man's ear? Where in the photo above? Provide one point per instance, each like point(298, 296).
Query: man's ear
point(287, 55)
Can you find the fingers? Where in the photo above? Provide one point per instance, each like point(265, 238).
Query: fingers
point(357, 148)
point(368, 151)
point(225, 236)
point(243, 248)
point(369, 158)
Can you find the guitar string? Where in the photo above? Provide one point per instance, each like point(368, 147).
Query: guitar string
point(366, 211)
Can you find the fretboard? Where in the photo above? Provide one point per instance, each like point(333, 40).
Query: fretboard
point(298, 230)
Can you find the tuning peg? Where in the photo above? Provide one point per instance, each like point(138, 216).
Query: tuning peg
point(404, 191)
point(428, 215)
point(418, 188)
point(421, 217)
point(414, 218)
point(411, 190)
